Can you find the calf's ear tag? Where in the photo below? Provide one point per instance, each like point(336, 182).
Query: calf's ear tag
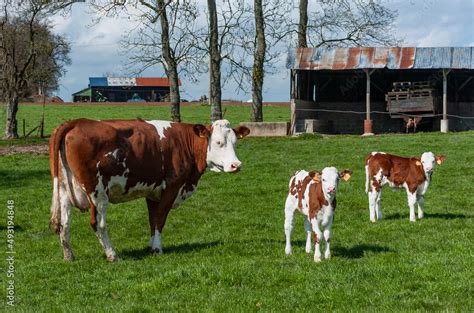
point(438, 161)
point(418, 163)
point(316, 178)
point(346, 176)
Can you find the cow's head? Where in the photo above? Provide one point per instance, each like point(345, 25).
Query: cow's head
point(330, 178)
point(429, 160)
point(221, 145)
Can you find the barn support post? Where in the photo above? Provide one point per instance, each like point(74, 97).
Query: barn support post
point(444, 127)
point(368, 121)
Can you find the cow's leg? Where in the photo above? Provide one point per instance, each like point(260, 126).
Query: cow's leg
point(378, 205)
point(159, 215)
point(411, 204)
point(327, 239)
point(99, 205)
point(64, 234)
point(155, 239)
point(421, 206)
point(307, 228)
point(289, 216)
point(318, 235)
point(373, 195)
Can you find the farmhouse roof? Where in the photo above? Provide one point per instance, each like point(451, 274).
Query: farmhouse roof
point(381, 57)
point(129, 81)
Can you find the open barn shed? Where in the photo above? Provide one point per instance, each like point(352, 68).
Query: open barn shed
point(365, 90)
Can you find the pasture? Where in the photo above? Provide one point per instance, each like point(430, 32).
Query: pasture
point(224, 247)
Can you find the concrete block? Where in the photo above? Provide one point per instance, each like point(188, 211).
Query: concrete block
point(267, 129)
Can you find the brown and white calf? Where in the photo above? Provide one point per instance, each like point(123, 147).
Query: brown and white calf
point(94, 163)
point(314, 195)
point(412, 174)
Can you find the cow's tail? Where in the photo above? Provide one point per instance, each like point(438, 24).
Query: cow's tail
point(55, 143)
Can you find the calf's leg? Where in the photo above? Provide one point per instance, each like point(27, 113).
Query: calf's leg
point(378, 205)
point(289, 216)
point(307, 228)
point(318, 235)
point(411, 203)
point(421, 206)
point(327, 239)
point(373, 195)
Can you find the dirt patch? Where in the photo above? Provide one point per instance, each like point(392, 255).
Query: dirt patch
point(34, 149)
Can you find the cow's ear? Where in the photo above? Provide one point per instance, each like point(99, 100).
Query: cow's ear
point(201, 131)
point(316, 176)
point(440, 159)
point(345, 174)
point(241, 131)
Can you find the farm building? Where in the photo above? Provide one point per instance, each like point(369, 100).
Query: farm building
point(124, 89)
point(366, 90)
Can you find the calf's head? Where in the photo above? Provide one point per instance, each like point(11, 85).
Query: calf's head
point(429, 160)
point(330, 178)
point(222, 138)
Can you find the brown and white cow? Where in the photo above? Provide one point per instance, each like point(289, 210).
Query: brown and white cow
point(314, 195)
point(412, 174)
point(94, 163)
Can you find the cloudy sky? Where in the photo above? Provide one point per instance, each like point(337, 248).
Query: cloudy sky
point(95, 49)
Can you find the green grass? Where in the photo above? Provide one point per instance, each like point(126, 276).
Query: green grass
point(224, 247)
point(55, 114)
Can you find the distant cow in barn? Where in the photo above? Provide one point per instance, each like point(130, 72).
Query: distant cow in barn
point(94, 163)
point(314, 195)
point(412, 174)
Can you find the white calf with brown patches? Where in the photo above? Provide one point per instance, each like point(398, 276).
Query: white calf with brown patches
point(412, 174)
point(314, 195)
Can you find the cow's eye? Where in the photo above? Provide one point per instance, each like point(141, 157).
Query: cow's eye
point(219, 143)
point(324, 180)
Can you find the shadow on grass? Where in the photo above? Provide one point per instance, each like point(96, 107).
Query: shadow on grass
point(446, 216)
point(358, 251)
point(19, 178)
point(17, 228)
point(141, 253)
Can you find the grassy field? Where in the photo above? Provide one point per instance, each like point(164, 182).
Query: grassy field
point(224, 247)
point(56, 114)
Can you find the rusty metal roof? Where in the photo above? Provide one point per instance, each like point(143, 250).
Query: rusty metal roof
point(381, 57)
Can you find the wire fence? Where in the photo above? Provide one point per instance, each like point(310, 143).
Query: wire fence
point(379, 112)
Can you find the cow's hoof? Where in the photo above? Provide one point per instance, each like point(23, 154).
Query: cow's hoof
point(327, 256)
point(156, 251)
point(413, 220)
point(113, 258)
point(288, 251)
point(317, 259)
point(308, 250)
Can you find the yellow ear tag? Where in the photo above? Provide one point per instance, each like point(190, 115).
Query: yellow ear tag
point(316, 178)
point(418, 163)
point(346, 176)
point(438, 161)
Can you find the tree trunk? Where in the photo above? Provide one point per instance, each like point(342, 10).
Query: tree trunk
point(171, 65)
point(259, 58)
point(215, 92)
point(11, 131)
point(303, 24)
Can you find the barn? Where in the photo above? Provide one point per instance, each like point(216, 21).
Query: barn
point(124, 89)
point(365, 90)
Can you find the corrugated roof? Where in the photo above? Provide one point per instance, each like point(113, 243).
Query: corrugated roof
point(129, 81)
point(154, 81)
point(381, 57)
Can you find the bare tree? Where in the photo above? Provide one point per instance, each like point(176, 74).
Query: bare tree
point(170, 45)
point(346, 23)
point(215, 92)
point(26, 42)
point(258, 65)
point(303, 24)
